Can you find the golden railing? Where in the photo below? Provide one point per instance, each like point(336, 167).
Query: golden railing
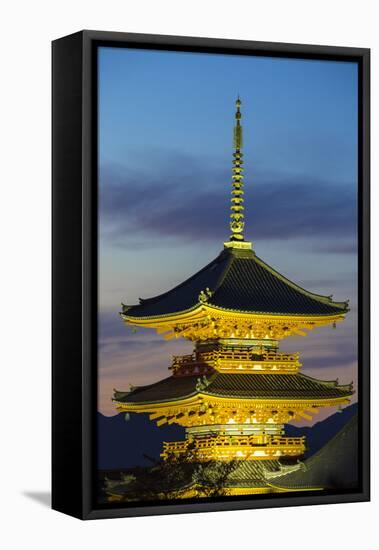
point(235, 447)
point(238, 360)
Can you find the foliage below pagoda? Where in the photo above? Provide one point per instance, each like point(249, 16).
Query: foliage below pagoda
point(169, 478)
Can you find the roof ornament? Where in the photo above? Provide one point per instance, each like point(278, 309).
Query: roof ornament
point(205, 295)
point(202, 383)
point(124, 308)
point(237, 218)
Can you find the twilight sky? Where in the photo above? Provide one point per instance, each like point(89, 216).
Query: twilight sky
point(165, 151)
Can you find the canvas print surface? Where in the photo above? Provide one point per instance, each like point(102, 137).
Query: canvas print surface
point(227, 350)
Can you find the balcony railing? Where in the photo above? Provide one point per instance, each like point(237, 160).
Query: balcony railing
point(237, 360)
point(235, 447)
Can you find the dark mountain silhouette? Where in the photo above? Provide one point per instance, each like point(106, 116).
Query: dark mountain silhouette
point(321, 432)
point(334, 466)
point(122, 444)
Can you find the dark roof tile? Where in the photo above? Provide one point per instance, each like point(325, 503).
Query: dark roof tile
point(240, 386)
point(239, 281)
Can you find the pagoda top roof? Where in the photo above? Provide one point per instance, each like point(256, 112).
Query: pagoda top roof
point(235, 386)
point(237, 281)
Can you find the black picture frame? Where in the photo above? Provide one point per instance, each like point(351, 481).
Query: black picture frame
point(74, 270)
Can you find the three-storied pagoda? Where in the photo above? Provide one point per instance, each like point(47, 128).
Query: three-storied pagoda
point(236, 391)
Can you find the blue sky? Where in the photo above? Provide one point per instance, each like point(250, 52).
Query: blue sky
point(165, 146)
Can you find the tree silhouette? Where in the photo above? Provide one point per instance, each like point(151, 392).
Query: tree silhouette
point(171, 478)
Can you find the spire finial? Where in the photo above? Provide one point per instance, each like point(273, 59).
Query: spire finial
point(237, 223)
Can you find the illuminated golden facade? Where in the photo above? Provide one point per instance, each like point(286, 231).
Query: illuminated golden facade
point(236, 391)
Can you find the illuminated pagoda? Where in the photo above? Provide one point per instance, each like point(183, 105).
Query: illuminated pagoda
point(236, 391)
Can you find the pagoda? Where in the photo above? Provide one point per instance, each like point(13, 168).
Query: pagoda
point(236, 391)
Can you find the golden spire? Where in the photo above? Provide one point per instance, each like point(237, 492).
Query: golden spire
point(237, 223)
